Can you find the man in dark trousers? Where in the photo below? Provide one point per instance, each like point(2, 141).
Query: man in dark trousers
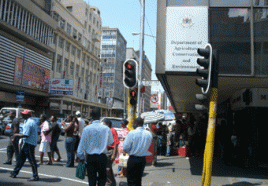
point(136, 145)
point(94, 141)
point(29, 136)
point(13, 147)
point(111, 155)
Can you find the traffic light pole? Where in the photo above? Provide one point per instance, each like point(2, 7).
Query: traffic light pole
point(131, 111)
point(209, 149)
point(141, 57)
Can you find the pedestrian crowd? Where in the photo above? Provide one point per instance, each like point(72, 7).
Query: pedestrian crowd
point(92, 142)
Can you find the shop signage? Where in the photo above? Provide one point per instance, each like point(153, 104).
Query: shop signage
point(186, 31)
point(61, 86)
point(34, 76)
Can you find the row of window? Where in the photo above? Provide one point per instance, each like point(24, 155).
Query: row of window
point(15, 15)
point(217, 2)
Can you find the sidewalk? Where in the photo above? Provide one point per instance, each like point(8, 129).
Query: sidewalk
point(180, 171)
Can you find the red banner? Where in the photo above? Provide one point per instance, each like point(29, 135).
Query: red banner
point(34, 76)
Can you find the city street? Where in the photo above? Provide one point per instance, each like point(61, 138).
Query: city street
point(169, 171)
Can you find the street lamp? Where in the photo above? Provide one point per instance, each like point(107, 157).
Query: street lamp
point(137, 33)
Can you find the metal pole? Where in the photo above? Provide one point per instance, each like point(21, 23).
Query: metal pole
point(141, 56)
point(22, 70)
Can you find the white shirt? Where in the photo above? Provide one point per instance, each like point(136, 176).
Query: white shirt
point(81, 125)
point(138, 142)
point(95, 139)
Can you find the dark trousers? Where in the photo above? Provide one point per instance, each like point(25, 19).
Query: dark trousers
point(27, 151)
point(96, 164)
point(135, 168)
point(13, 147)
point(69, 145)
point(109, 169)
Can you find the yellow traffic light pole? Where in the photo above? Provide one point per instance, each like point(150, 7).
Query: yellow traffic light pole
point(131, 112)
point(209, 149)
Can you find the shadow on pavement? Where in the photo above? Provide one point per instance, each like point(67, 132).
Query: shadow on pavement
point(10, 184)
point(163, 164)
point(220, 169)
point(122, 183)
point(50, 180)
point(242, 184)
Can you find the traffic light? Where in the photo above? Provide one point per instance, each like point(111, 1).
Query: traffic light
point(133, 97)
point(205, 70)
point(203, 99)
point(130, 73)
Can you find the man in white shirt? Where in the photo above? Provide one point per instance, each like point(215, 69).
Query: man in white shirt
point(136, 145)
point(93, 143)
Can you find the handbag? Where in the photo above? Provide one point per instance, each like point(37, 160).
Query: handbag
point(81, 170)
point(123, 160)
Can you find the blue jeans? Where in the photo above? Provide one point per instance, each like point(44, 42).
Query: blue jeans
point(69, 145)
point(168, 150)
point(27, 151)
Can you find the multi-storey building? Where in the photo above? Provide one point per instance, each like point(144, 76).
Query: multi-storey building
point(146, 76)
point(113, 55)
point(25, 54)
point(76, 59)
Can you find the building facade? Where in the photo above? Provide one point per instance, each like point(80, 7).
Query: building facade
point(237, 30)
point(75, 68)
point(25, 53)
point(113, 55)
point(146, 76)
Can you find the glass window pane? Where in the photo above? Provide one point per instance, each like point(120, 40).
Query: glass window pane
point(260, 2)
point(230, 2)
point(186, 2)
point(261, 41)
point(230, 34)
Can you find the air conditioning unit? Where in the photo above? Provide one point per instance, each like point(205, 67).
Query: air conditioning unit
point(74, 37)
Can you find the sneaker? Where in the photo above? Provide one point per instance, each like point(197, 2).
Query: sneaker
point(34, 179)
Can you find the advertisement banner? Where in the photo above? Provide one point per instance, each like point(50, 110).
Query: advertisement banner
point(34, 76)
point(186, 31)
point(61, 86)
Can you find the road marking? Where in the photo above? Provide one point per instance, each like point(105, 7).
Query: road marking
point(3, 149)
point(46, 175)
point(35, 155)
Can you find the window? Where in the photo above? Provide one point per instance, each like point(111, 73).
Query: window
point(59, 62)
point(86, 11)
point(88, 60)
point(55, 39)
point(80, 37)
point(61, 42)
point(62, 23)
point(73, 50)
point(70, 8)
point(88, 45)
point(93, 32)
point(89, 28)
point(85, 24)
point(97, 24)
point(82, 74)
point(66, 66)
point(90, 16)
point(84, 57)
point(77, 71)
point(74, 33)
point(67, 48)
point(78, 54)
point(69, 29)
point(94, 20)
point(72, 68)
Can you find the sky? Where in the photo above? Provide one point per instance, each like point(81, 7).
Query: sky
point(125, 15)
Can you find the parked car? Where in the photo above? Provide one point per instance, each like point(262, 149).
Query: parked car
point(21, 121)
point(116, 122)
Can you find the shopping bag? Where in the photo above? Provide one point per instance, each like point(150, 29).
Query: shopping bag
point(123, 160)
point(81, 170)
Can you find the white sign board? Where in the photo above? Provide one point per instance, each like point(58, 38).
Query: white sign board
point(151, 83)
point(186, 31)
point(61, 86)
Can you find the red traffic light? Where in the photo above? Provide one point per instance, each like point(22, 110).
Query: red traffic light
point(129, 66)
point(132, 93)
